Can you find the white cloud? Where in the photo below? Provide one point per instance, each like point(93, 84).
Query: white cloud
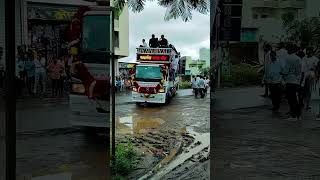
point(187, 37)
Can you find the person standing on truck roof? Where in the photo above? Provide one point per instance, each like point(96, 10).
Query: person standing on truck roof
point(163, 42)
point(144, 44)
point(153, 42)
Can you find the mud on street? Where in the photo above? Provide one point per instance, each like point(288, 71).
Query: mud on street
point(169, 139)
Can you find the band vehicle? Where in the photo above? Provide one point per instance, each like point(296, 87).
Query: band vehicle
point(154, 79)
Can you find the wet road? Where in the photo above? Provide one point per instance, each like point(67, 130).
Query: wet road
point(47, 144)
point(252, 143)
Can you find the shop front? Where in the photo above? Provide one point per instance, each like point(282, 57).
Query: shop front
point(47, 25)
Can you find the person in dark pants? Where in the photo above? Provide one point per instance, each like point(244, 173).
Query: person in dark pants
point(274, 73)
point(292, 73)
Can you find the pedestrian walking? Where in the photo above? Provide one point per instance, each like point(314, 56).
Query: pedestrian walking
point(292, 75)
point(55, 70)
point(273, 71)
point(30, 72)
point(267, 61)
point(309, 66)
point(40, 73)
point(122, 84)
point(194, 85)
point(201, 86)
point(206, 81)
point(62, 77)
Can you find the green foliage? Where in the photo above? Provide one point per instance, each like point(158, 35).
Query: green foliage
point(205, 71)
point(185, 85)
point(175, 8)
point(126, 159)
point(305, 31)
point(242, 75)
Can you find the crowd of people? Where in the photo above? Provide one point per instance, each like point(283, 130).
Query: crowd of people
point(33, 71)
point(200, 85)
point(291, 71)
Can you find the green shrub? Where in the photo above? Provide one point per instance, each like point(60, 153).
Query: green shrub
point(126, 159)
point(241, 75)
point(185, 85)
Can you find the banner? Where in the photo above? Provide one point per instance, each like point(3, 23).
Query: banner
point(45, 12)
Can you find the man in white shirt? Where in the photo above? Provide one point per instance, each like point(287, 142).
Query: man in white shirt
point(309, 65)
point(274, 73)
point(194, 85)
point(292, 76)
point(144, 44)
point(40, 73)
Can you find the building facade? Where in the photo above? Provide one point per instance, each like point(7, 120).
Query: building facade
point(262, 20)
point(205, 55)
point(41, 24)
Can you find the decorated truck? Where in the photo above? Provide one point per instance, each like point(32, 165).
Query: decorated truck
point(154, 76)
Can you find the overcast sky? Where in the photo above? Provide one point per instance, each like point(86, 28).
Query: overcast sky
point(187, 37)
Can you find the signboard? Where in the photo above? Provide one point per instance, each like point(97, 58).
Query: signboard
point(166, 51)
point(50, 12)
point(161, 58)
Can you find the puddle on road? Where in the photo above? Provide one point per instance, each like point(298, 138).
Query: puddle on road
point(135, 126)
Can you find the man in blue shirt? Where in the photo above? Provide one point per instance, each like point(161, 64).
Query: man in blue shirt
point(273, 73)
point(292, 74)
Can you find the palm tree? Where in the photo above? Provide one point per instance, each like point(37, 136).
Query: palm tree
point(175, 8)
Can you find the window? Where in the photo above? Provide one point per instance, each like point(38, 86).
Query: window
point(255, 16)
point(116, 39)
point(96, 32)
point(264, 16)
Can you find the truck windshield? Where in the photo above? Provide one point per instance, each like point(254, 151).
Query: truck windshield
point(148, 73)
point(96, 32)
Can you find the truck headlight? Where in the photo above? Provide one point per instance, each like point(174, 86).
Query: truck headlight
point(162, 90)
point(134, 89)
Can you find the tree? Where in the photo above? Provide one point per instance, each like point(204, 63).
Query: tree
point(175, 8)
point(304, 31)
